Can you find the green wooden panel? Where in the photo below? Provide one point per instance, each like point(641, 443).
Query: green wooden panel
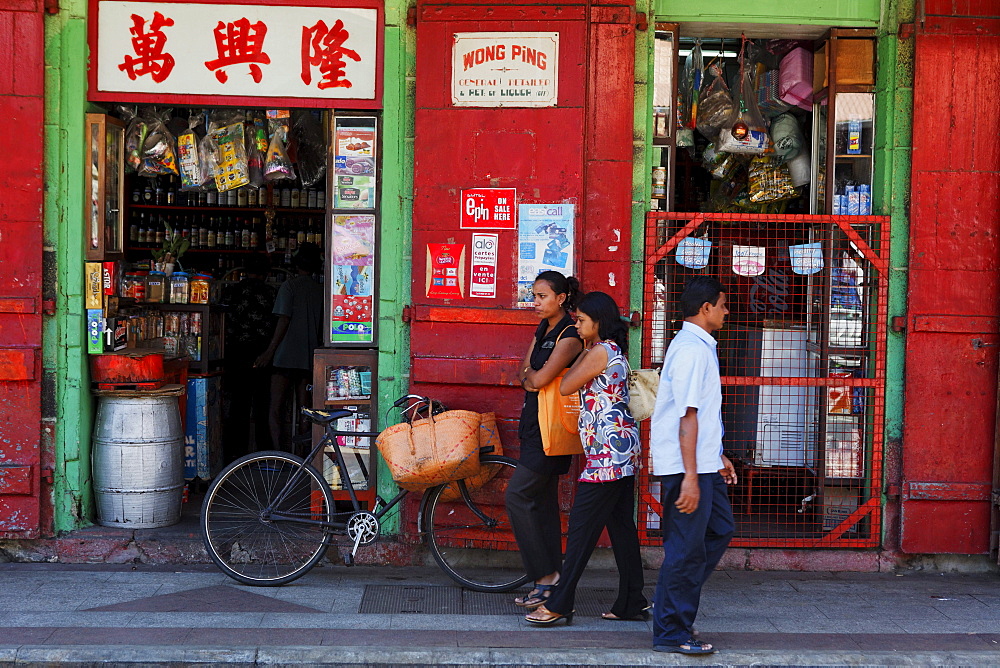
point(844, 13)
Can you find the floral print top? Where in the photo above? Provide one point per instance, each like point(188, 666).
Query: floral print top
point(609, 433)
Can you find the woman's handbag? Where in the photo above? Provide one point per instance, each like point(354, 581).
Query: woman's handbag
point(558, 419)
point(431, 451)
point(642, 386)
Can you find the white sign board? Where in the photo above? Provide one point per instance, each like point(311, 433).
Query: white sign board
point(505, 69)
point(484, 265)
point(177, 48)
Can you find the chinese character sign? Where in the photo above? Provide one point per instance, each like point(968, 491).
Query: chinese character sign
point(178, 48)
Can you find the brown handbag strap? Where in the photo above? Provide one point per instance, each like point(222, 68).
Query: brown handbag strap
point(431, 422)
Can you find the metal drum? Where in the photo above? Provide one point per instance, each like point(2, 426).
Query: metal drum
point(138, 461)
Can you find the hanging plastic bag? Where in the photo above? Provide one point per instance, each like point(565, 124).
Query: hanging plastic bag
point(770, 180)
point(159, 152)
point(715, 108)
point(747, 132)
point(787, 136)
point(308, 134)
point(720, 165)
point(277, 166)
point(135, 137)
point(256, 149)
point(232, 170)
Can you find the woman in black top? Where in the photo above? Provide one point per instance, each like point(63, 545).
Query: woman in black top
point(532, 495)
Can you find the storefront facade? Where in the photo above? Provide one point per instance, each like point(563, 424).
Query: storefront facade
point(588, 149)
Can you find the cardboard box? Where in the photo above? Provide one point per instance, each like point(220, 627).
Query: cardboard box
point(838, 504)
point(95, 331)
point(109, 278)
point(115, 334)
point(93, 285)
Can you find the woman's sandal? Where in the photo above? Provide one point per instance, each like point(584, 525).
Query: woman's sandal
point(536, 597)
point(692, 646)
point(548, 618)
point(612, 617)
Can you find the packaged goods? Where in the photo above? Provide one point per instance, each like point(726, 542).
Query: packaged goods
point(231, 170)
point(795, 81)
point(179, 288)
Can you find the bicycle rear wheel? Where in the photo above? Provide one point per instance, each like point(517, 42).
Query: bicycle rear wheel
point(241, 535)
point(471, 536)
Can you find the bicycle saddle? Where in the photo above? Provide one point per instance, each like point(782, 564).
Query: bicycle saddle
point(325, 416)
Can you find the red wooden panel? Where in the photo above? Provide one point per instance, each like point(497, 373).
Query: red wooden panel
point(28, 48)
point(434, 60)
point(467, 341)
point(465, 371)
point(612, 84)
point(489, 10)
point(980, 8)
point(17, 364)
point(6, 54)
point(21, 105)
point(15, 480)
point(474, 315)
point(951, 385)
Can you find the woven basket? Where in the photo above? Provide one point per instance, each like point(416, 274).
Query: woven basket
point(431, 451)
point(489, 437)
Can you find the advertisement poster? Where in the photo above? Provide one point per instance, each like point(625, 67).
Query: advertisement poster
point(352, 278)
point(505, 69)
point(544, 242)
point(354, 163)
point(484, 265)
point(446, 271)
point(489, 209)
point(355, 192)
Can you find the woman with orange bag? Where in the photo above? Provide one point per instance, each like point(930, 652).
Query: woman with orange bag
point(605, 496)
point(532, 494)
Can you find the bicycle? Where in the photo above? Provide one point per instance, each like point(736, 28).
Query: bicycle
point(270, 516)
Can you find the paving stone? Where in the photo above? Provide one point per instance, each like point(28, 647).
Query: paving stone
point(217, 598)
point(238, 637)
point(349, 621)
point(195, 619)
point(103, 636)
point(25, 635)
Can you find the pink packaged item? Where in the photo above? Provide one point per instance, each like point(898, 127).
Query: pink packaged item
point(795, 80)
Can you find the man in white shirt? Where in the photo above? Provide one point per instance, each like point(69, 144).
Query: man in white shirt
point(686, 448)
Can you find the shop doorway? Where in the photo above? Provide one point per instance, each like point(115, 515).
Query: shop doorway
point(784, 220)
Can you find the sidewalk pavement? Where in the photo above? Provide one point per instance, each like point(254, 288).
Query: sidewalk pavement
point(149, 615)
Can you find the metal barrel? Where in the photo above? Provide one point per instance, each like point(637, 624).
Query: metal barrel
point(138, 461)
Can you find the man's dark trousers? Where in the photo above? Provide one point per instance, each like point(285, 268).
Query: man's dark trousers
point(693, 544)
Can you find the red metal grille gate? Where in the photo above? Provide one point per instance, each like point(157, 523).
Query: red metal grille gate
point(803, 363)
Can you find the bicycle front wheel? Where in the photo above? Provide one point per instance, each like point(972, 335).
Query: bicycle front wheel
point(260, 518)
point(469, 532)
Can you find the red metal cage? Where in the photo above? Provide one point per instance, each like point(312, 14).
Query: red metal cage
point(802, 358)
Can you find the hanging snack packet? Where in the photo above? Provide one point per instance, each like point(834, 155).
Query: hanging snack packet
point(189, 156)
point(232, 171)
point(277, 166)
point(770, 180)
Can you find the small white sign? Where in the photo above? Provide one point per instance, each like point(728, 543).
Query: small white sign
point(180, 48)
point(505, 69)
point(484, 265)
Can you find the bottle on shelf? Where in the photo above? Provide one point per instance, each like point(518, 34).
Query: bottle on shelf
point(245, 235)
point(295, 198)
point(212, 238)
point(255, 234)
point(147, 192)
point(159, 233)
point(242, 198)
point(311, 232)
point(300, 233)
point(202, 232)
point(133, 228)
point(230, 235)
point(202, 198)
point(231, 198)
point(171, 193)
point(211, 198)
point(136, 195)
point(159, 194)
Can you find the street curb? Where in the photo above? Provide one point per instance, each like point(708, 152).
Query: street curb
point(133, 655)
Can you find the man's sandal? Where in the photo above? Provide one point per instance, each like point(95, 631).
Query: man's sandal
point(536, 597)
point(690, 647)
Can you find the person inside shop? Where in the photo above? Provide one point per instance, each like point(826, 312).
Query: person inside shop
point(686, 447)
point(605, 497)
point(532, 494)
point(299, 331)
point(249, 329)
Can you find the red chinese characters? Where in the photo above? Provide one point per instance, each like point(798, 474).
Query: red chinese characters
point(239, 42)
point(148, 46)
point(323, 47)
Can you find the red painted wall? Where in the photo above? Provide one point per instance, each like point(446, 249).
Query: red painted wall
point(21, 107)
point(954, 298)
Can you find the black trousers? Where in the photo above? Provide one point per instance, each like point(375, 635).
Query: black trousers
point(600, 505)
point(693, 544)
point(533, 508)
